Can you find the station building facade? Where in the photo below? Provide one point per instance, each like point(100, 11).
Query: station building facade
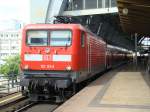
point(10, 44)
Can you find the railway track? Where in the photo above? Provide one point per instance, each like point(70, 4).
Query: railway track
point(14, 105)
point(3, 95)
point(7, 94)
point(24, 105)
point(41, 107)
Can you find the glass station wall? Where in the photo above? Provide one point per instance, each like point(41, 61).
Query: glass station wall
point(90, 4)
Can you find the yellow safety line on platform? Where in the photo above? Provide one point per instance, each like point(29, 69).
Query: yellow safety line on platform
point(10, 98)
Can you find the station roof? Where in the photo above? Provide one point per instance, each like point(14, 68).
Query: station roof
point(135, 16)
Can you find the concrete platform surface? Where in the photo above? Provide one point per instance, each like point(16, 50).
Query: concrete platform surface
point(123, 90)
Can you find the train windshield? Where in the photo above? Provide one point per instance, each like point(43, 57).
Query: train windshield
point(60, 38)
point(37, 38)
point(49, 38)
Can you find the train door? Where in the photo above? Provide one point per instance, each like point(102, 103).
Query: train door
point(107, 62)
point(83, 59)
point(89, 54)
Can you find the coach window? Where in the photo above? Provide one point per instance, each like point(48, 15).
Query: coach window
point(82, 39)
point(37, 38)
point(60, 38)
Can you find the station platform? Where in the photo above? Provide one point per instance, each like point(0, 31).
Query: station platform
point(125, 89)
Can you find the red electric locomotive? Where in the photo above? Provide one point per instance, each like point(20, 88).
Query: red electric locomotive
point(56, 57)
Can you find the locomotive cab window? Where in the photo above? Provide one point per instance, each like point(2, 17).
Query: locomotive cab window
point(37, 38)
point(60, 38)
point(82, 39)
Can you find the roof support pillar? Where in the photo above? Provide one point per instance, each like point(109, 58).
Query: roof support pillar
point(136, 50)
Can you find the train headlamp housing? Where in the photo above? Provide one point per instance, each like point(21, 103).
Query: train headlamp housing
point(26, 67)
point(68, 68)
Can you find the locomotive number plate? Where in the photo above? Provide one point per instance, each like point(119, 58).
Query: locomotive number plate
point(47, 66)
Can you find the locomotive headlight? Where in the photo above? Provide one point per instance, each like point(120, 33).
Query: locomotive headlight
point(68, 68)
point(26, 67)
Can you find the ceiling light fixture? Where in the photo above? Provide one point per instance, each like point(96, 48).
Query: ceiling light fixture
point(125, 11)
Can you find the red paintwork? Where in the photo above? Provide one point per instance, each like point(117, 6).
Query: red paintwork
point(80, 56)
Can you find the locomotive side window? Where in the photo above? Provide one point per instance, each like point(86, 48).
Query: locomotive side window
point(82, 39)
point(60, 38)
point(37, 38)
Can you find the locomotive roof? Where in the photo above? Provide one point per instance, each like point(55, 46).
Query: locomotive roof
point(55, 26)
point(59, 26)
point(65, 26)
